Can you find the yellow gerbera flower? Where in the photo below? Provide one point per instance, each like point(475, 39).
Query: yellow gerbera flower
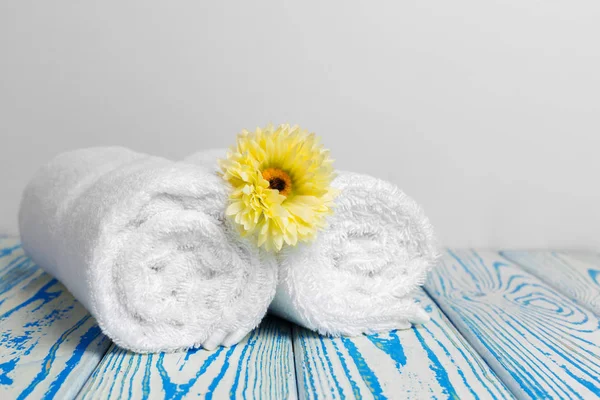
point(281, 185)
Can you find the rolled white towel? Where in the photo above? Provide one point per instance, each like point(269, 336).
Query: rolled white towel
point(143, 244)
point(359, 274)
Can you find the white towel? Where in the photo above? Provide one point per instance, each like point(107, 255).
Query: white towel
point(359, 274)
point(143, 244)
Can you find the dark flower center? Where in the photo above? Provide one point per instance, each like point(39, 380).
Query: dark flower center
point(277, 183)
point(278, 180)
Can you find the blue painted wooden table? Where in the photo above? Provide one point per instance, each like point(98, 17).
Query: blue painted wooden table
point(505, 324)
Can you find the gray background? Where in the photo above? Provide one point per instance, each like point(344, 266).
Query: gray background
point(486, 112)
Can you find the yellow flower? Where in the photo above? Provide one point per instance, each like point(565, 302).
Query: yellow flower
point(281, 185)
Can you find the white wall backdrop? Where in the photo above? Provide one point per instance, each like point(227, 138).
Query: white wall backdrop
point(486, 112)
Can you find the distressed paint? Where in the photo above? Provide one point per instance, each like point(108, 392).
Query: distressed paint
point(538, 341)
point(49, 344)
point(429, 361)
point(575, 274)
point(538, 337)
point(261, 366)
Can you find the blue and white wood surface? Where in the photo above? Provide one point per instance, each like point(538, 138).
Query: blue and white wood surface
point(576, 274)
point(499, 329)
point(430, 361)
point(261, 366)
point(50, 344)
point(537, 340)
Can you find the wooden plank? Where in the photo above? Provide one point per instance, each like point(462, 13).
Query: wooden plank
point(49, 344)
point(261, 366)
point(540, 343)
point(575, 274)
point(429, 361)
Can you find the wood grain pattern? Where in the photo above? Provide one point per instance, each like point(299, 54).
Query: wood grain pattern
point(430, 361)
point(575, 274)
point(261, 366)
point(531, 319)
point(50, 344)
point(540, 343)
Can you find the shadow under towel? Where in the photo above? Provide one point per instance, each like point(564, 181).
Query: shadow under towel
point(143, 244)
